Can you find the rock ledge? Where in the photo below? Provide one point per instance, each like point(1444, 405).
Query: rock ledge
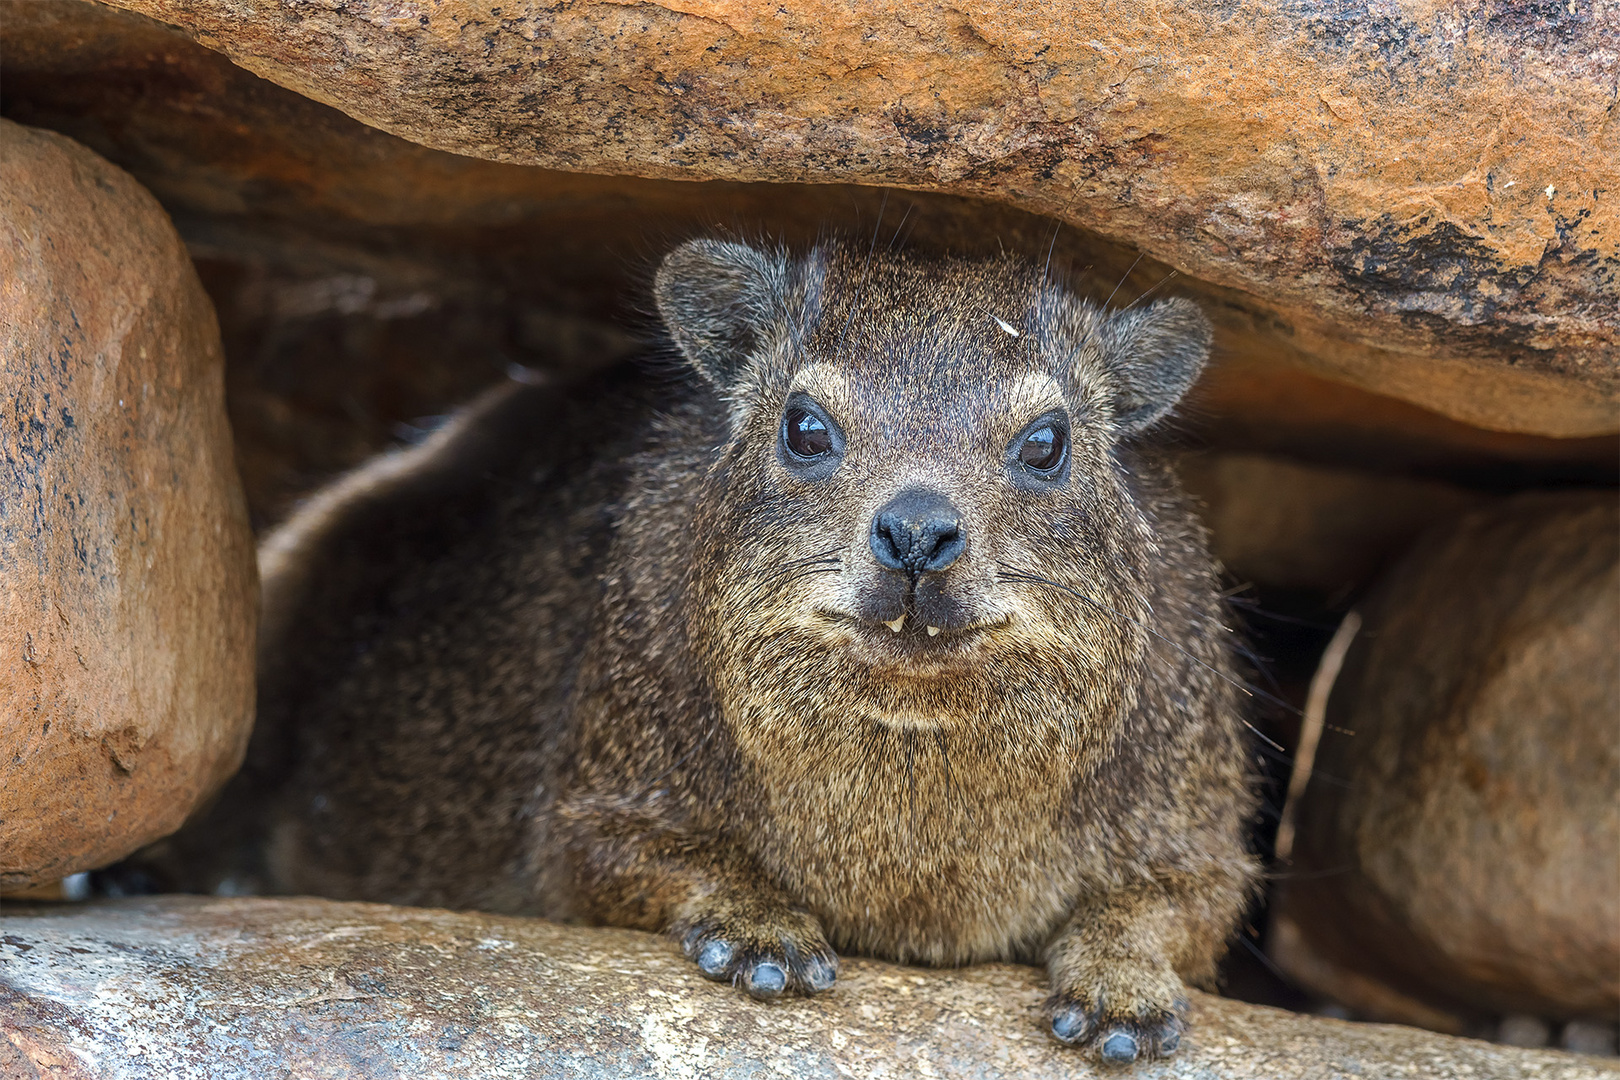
point(187, 987)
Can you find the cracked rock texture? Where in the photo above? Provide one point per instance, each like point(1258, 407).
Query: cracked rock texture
point(185, 988)
point(1417, 198)
point(1470, 863)
point(127, 583)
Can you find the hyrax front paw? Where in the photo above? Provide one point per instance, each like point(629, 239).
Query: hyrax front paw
point(1123, 1012)
point(767, 952)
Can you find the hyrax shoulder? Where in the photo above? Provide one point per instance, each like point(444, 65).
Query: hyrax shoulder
point(886, 631)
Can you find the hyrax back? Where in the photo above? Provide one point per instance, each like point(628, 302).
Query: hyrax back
point(888, 632)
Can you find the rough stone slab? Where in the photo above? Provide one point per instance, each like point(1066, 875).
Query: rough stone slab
point(180, 987)
point(1423, 194)
point(127, 579)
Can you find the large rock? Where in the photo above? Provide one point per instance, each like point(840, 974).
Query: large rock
point(1296, 526)
point(1459, 845)
point(363, 281)
point(127, 587)
point(183, 988)
point(1418, 201)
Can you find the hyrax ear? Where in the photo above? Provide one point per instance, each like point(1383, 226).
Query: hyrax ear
point(720, 302)
point(1154, 356)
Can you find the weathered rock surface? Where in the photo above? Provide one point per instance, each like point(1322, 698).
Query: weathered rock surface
point(180, 987)
point(1459, 844)
point(127, 584)
point(364, 282)
point(1419, 199)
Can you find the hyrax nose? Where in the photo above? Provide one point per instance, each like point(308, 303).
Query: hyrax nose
point(919, 531)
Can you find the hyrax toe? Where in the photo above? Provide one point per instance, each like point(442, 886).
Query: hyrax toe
point(767, 957)
point(1118, 1038)
point(1122, 1013)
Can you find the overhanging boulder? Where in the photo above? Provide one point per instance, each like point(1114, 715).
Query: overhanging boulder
point(1418, 201)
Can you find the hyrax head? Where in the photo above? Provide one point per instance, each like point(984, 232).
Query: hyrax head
point(921, 514)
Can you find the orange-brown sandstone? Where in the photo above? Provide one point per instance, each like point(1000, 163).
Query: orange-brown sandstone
point(127, 584)
point(1413, 197)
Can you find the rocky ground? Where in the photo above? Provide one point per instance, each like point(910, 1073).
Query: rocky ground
point(189, 988)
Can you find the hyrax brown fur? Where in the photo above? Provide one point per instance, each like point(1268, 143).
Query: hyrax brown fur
point(889, 634)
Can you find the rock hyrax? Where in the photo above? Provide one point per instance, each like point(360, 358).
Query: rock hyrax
point(887, 632)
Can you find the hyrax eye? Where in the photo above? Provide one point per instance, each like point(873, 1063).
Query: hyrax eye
point(805, 433)
point(1043, 449)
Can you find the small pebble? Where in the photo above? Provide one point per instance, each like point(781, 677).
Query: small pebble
point(1588, 1037)
point(1520, 1030)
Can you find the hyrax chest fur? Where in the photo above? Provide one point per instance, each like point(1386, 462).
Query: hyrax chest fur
point(886, 631)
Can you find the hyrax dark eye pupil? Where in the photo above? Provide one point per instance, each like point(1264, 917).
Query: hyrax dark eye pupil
point(806, 434)
point(1043, 448)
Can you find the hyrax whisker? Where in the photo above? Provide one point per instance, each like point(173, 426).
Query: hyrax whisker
point(1046, 267)
point(832, 551)
point(909, 735)
point(866, 273)
point(897, 229)
point(1172, 275)
point(788, 579)
point(819, 566)
point(951, 794)
point(1123, 279)
point(796, 569)
point(830, 555)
